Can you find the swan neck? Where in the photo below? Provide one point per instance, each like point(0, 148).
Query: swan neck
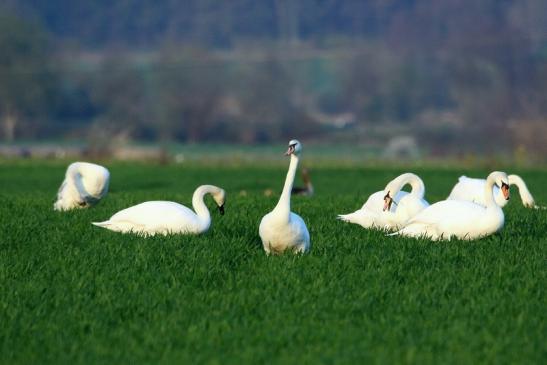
point(489, 192)
point(416, 184)
point(199, 205)
point(284, 204)
point(525, 195)
point(74, 176)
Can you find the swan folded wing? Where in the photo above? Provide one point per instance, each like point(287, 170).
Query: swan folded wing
point(375, 202)
point(469, 189)
point(445, 218)
point(455, 210)
point(158, 216)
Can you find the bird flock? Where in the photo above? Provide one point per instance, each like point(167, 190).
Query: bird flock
point(472, 210)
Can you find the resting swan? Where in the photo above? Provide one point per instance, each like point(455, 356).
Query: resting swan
point(472, 190)
point(84, 185)
point(462, 219)
point(282, 229)
point(165, 217)
point(379, 210)
point(307, 189)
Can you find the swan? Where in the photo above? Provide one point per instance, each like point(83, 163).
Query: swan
point(472, 190)
point(459, 218)
point(165, 217)
point(84, 185)
point(391, 208)
point(282, 229)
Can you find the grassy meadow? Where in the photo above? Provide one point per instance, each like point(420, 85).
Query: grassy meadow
point(74, 293)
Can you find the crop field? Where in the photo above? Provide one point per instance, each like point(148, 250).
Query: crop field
point(73, 293)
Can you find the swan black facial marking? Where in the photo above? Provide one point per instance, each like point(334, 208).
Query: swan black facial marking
point(505, 188)
point(221, 209)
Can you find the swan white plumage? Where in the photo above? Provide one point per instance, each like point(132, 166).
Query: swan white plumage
point(459, 218)
point(391, 208)
point(471, 189)
point(165, 217)
point(84, 185)
point(282, 230)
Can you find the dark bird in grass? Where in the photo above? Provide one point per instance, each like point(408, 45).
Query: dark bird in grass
point(307, 190)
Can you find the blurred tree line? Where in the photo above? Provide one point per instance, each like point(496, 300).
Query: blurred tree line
point(450, 73)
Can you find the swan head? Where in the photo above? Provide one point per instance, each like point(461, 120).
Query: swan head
point(388, 200)
point(295, 147)
point(501, 180)
point(220, 199)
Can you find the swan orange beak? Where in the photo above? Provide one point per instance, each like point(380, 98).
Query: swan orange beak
point(505, 191)
point(290, 151)
point(387, 202)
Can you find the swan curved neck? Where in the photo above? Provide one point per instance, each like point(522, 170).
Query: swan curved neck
point(74, 175)
point(283, 207)
point(199, 205)
point(489, 192)
point(525, 195)
point(416, 184)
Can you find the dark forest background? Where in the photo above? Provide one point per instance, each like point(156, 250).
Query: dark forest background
point(449, 76)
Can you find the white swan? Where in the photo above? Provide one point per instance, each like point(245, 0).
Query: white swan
point(164, 217)
point(459, 218)
point(472, 190)
point(281, 229)
point(379, 210)
point(84, 185)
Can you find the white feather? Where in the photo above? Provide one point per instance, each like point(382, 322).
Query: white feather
point(84, 185)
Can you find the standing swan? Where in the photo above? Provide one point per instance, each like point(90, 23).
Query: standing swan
point(380, 211)
point(282, 229)
point(462, 219)
point(164, 217)
point(471, 190)
point(84, 185)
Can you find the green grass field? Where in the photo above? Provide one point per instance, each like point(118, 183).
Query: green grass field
point(74, 293)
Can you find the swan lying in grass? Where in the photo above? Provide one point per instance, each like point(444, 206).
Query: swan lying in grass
point(462, 219)
point(84, 185)
point(391, 208)
point(281, 229)
point(472, 190)
point(164, 217)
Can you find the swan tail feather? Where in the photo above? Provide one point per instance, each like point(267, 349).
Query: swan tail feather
point(345, 217)
point(102, 224)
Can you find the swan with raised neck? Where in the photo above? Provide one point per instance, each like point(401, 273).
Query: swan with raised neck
point(461, 219)
point(282, 230)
